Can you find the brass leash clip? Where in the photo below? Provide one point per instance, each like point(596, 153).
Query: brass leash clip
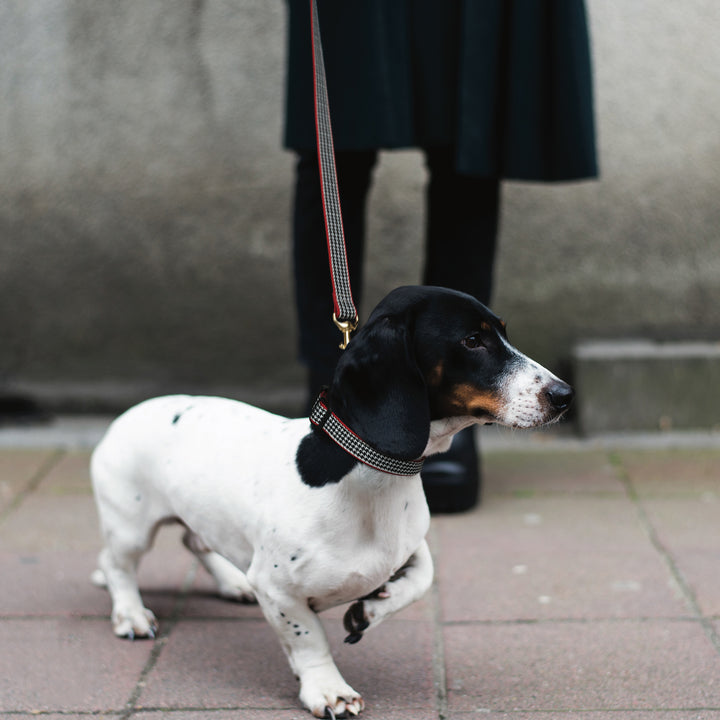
point(345, 327)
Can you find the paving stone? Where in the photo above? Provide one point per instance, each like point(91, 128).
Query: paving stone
point(70, 475)
point(47, 522)
point(202, 601)
point(51, 583)
point(689, 529)
point(59, 515)
point(392, 666)
point(662, 714)
point(556, 603)
point(58, 583)
point(564, 557)
point(17, 470)
point(103, 715)
point(536, 473)
point(66, 665)
point(296, 713)
point(240, 664)
point(558, 667)
point(673, 472)
point(247, 714)
point(59, 521)
point(234, 714)
point(221, 664)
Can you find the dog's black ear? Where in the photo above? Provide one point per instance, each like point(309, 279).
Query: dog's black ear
point(379, 391)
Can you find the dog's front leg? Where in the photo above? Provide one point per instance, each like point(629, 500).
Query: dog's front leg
point(409, 584)
point(303, 638)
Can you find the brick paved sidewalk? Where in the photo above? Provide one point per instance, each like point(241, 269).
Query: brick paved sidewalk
point(587, 586)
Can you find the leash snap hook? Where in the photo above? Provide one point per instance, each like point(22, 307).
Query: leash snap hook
point(345, 327)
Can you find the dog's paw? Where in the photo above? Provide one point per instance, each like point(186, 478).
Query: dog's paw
point(330, 697)
point(98, 578)
point(361, 614)
point(349, 710)
point(134, 624)
point(355, 621)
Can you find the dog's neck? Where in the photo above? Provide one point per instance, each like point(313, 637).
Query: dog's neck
point(442, 432)
point(321, 461)
point(323, 418)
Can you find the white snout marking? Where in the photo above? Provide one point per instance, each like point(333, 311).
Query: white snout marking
point(523, 390)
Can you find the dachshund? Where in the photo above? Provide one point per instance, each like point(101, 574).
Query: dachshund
point(302, 516)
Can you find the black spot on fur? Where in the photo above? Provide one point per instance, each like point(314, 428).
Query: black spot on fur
point(320, 461)
point(177, 416)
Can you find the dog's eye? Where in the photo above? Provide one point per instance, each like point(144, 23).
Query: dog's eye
point(473, 341)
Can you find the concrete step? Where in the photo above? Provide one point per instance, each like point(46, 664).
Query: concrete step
point(640, 385)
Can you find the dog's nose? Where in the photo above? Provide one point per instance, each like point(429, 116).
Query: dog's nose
point(559, 395)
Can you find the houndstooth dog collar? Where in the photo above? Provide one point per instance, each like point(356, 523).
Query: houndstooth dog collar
point(326, 420)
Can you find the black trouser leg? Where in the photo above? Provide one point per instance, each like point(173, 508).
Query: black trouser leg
point(462, 227)
point(318, 336)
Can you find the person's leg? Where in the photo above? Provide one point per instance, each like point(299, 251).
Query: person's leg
point(318, 336)
point(462, 227)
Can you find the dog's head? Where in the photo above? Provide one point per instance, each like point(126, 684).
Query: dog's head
point(430, 353)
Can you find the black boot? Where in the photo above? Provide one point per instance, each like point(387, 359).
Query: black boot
point(451, 480)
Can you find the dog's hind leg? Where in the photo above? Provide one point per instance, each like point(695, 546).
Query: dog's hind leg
point(118, 565)
point(232, 582)
point(129, 517)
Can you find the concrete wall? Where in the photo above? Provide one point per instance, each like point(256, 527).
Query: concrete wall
point(145, 198)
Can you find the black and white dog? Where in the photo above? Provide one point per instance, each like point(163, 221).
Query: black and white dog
point(278, 512)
